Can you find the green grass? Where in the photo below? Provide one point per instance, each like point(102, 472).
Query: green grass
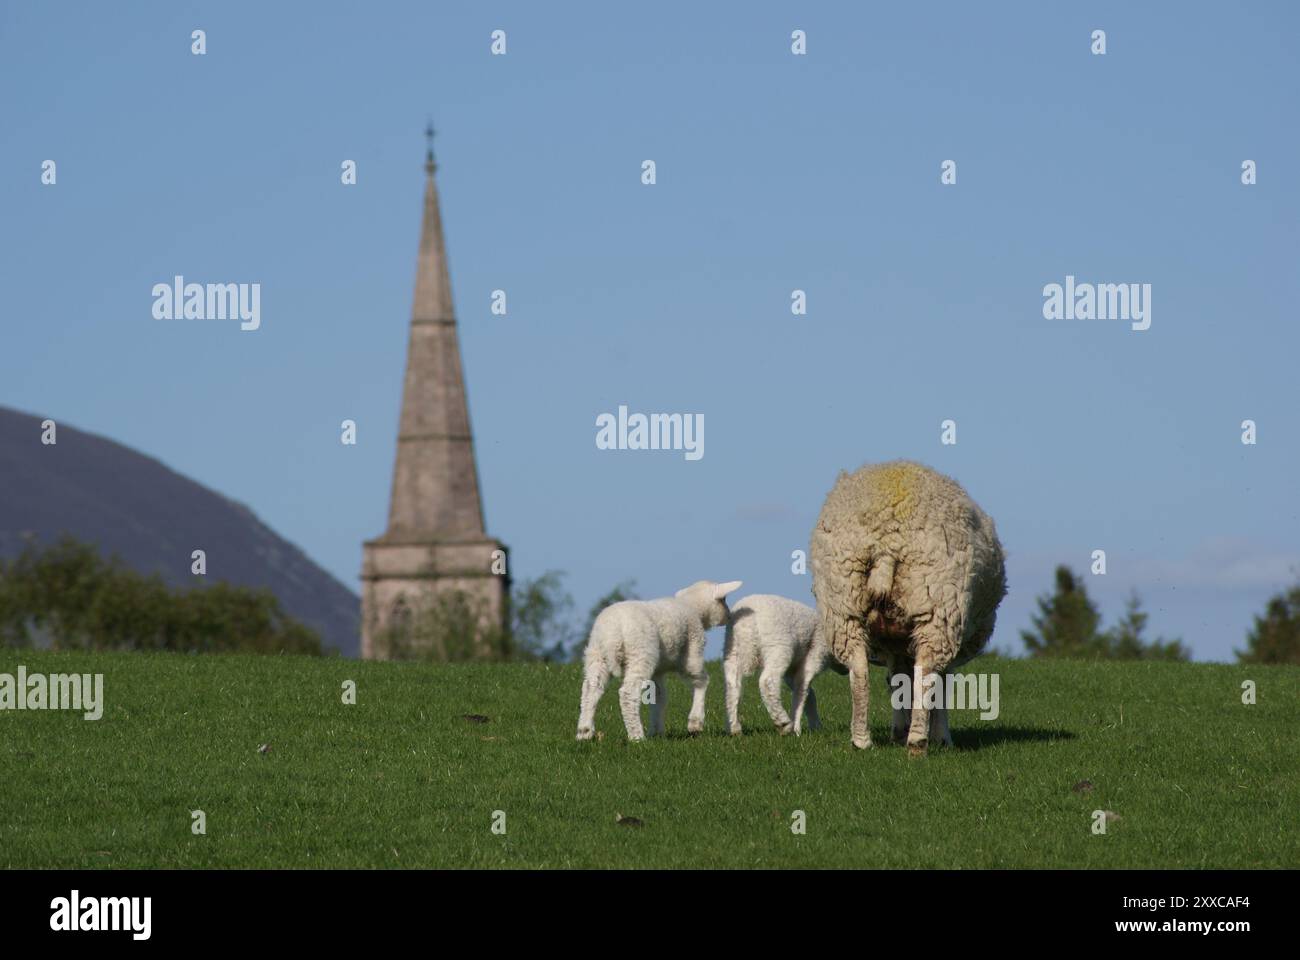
point(401, 779)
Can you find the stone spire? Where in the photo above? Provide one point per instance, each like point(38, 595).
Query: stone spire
point(435, 542)
point(435, 483)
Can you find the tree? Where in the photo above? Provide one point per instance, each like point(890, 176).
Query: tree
point(539, 611)
point(1066, 623)
point(1276, 635)
point(222, 617)
point(1124, 640)
point(67, 597)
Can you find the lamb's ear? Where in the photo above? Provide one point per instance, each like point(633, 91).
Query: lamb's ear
point(722, 589)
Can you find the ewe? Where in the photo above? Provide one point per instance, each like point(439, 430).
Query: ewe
point(779, 638)
point(641, 640)
point(907, 567)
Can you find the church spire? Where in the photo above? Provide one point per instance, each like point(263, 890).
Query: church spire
point(435, 482)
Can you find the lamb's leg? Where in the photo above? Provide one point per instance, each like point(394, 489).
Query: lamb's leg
point(939, 718)
point(802, 697)
point(595, 676)
point(769, 685)
point(629, 701)
point(731, 674)
point(901, 723)
point(939, 724)
point(658, 707)
point(902, 718)
point(860, 724)
point(699, 678)
point(814, 718)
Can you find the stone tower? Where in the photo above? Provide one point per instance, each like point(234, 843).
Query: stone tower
point(435, 543)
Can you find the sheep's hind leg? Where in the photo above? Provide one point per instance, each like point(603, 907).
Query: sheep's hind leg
point(860, 724)
point(769, 685)
point(629, 701)
point(732, 679)
point(802, 698)
point(814, 718)
point(929, 667)
point(918, 737)
point(699, 684)
point(593, 688)
point(658, 707)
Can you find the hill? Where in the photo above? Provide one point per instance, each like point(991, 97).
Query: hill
point(124, 502)
point(412, 774)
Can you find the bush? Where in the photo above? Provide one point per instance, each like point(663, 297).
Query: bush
point(1276, 635)
point(451, 629)
point(68, 598)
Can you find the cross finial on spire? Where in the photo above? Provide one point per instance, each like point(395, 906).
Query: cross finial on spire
point(428, 157)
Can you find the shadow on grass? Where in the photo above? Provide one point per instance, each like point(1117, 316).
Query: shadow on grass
point(681, 734)
point(745, 732)
point(978, 739)
point(961, 739)
point(760, 731)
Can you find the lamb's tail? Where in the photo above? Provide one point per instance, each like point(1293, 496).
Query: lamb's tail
point(736, 621)
point(604, 653)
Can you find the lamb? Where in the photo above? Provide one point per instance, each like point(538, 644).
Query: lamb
point(779, 638)
point(641, 640)
point(905, 566)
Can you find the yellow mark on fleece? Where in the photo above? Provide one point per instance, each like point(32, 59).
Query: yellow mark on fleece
point(896, 484)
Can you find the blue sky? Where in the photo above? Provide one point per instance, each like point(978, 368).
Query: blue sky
point(775, 172)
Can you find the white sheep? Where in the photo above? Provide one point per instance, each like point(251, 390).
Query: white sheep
point(905, 567)
point(641, 640)
point(778, 638)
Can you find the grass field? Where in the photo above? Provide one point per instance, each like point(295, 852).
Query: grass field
point(403, 779)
